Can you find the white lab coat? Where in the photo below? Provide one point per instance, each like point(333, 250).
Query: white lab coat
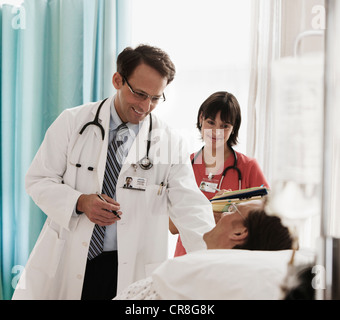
point(56, 266)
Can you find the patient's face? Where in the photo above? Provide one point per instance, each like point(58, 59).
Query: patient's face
point(230, 229)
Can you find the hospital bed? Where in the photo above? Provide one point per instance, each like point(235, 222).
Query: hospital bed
point(223, 275)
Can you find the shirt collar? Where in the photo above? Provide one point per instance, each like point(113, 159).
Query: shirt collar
point(115, 120)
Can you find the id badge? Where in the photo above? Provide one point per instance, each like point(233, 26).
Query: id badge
point(208, 185)
point(135, 183)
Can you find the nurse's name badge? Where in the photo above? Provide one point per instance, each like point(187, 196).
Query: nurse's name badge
point(135, 183)
point(208, 185)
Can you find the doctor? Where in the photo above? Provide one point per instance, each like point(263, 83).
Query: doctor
point(67, 174)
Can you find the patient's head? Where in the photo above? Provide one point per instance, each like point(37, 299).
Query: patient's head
point(248, 226)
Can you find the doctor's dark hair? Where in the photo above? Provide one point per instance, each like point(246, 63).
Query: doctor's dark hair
point(129, 59)
point(265, 233)
point(230, 112)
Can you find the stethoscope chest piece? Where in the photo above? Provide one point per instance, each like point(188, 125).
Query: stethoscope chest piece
point(145, 163)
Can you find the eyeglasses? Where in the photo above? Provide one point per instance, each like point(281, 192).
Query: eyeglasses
point(233, 209)
point(142, 96)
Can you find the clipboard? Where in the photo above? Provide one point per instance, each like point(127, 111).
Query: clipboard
point(222, 202)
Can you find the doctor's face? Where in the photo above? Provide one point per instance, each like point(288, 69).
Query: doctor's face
point(146, 80)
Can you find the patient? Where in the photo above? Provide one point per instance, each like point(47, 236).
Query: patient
point(245, 226)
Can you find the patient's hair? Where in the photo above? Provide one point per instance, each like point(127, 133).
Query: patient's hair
point(265, 233)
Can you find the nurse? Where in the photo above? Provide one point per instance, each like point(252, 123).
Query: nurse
point(84, 250)
point(217, 165)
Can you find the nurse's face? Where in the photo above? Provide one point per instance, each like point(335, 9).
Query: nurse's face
point(144, 79)
point(215, 132)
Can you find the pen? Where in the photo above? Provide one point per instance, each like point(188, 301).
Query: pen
point(114, 212)
point(216, 189)
point(160, 188)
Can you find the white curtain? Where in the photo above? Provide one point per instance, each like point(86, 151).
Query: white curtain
point(266, 48)
point(53, 55)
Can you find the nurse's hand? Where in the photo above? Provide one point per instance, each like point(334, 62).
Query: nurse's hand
point(219, 193)
point(97, 210)
point(217, 215)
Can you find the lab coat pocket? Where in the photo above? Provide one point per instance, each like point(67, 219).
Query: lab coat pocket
point(48, 251)
point(156, 199)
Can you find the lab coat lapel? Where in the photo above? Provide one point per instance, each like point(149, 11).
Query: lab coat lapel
point(104, 119)
point(139, 146)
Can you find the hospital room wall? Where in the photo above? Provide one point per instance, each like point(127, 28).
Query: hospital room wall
point(201, 40)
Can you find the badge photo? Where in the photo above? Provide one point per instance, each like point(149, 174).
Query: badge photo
point(135, 183)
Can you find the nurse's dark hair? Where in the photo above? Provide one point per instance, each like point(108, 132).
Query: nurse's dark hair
point(230, 112)
point(265, 233)
point(129, 59)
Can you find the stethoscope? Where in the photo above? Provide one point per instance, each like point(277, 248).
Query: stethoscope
point(233, 167)
point(145, 163)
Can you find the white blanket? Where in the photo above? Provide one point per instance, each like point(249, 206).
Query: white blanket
point(218, 275)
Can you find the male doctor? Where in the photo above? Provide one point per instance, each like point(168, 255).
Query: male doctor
point(66, 181)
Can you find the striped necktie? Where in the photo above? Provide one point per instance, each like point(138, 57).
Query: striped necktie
point(115, 156)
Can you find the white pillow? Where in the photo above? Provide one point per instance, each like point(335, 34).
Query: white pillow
point(225, 274)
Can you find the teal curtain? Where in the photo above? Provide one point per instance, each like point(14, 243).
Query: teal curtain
point(55, 54)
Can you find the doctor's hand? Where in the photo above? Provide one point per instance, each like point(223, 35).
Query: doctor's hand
point(97, 210)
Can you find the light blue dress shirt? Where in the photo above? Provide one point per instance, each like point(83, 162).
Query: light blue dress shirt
point(110, 239)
